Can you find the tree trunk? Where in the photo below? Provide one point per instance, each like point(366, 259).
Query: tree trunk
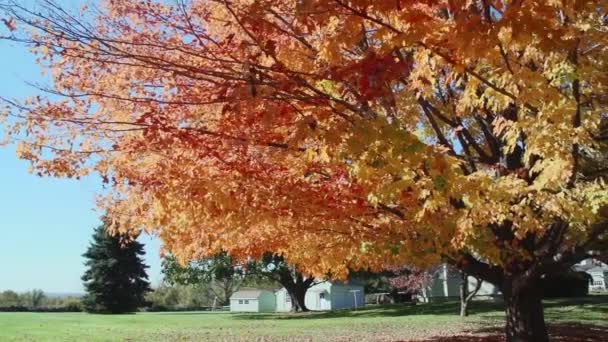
point(297, 295)
point(464, 310)
point(525, 316)
point(464, 292)
point(465, 295)
point(525, 319)
point(296, 286)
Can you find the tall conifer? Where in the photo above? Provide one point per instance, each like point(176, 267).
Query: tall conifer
point(115, 279)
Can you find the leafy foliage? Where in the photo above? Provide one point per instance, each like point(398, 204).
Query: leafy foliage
point(10, 298)
point(411, 279)
point(218, 273)
point(373, 282)
point(34, 298)
point(179, 297)
point(37, 301)
point(115, 279)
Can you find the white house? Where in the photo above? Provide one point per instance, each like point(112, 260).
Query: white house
point(326, 296)
point(598, 272)
point(599, 278)
point(252, 301)
point(445, 284)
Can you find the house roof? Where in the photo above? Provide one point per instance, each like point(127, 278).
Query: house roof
point(583, 268)
point(599, 269)
point(317, 290)
point(247, 294)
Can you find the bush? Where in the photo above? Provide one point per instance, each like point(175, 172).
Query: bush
point(33, 299)
point(20, 308)
point(73, 305)
point(10, 298)
point(569, 284)
point(180, 298)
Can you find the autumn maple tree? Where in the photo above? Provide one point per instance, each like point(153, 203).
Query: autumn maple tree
point(338, 133)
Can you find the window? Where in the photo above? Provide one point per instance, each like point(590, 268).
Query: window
point(322, 295)
point(287, 298)
point(240, 301)
point(598, 283)
point(246, 301)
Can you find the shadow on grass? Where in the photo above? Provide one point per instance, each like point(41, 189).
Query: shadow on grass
point(566, 310)
point(571, 332)
point(188, 313)
point(443, 308)
point(485, 309)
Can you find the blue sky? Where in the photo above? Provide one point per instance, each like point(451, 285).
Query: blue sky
point(45, 223)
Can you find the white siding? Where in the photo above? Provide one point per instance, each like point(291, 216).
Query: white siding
point(253, 301)
point(486, 291)
point(244, 305)
point(343, 298)
point(436, 288)
point(324, 296)
point(599, 281)
point(283, 301)
point(313, 296)
point(446, 284)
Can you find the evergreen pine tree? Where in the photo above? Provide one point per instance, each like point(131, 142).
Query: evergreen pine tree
point(115, 279)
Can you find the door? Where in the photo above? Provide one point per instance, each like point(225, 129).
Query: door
point(324, 303)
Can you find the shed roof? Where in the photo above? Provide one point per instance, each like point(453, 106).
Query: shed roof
point(597, 269)
point(317, 290)
point(583, 268)
point(247, 294)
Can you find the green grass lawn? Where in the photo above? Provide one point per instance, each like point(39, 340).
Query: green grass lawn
point(386, 323)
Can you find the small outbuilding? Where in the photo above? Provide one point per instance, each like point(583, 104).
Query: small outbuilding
point(599, 278)
point(326, 295)
point(598, 272)
point(444, 284)
point(252, 301)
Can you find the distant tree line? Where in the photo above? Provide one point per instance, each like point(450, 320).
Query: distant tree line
point(37, 300)
point(221, 275)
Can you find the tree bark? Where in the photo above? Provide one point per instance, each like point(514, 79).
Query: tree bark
point(464, 292)
point(294, 282)
point(525, 321)
point(297, 293)
point(465, 295)
point(296, 286)
point(525, 316)
point(464, 310)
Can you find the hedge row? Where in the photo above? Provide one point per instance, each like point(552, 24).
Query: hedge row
point(20, 308)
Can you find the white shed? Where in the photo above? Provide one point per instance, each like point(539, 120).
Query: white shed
point(598, 272)
point(599, 278)
point(326, 296)
point(445, 284)
point(252, 301)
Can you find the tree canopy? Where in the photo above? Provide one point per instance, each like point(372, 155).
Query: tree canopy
point(218, 272)
point(340, 134)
